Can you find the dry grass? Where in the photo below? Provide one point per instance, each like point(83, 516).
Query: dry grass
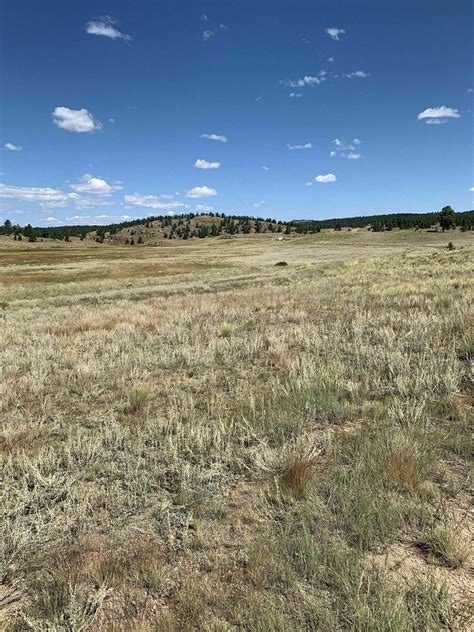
point(147, 402)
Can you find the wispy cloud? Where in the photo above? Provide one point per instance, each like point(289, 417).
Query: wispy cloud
point(307, 80)
point(33, 194)
point(346, 150)
point(79, 121)
point(305, 146)
point(161, 202)
point(432, 116)
point(265, 168)
point(357, 74)
point(324, 178)
point(12, 147)
point(204, 164)
point(218, 137)
point(308, 184)
point(296, 95)
point(335, 33)
point(201, 192)
point(104, 27)
point(208, 33)
point(259, 204)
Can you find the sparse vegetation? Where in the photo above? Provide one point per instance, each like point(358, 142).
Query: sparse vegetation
point(193, 439)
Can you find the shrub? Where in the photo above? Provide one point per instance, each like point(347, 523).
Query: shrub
point(281, 263)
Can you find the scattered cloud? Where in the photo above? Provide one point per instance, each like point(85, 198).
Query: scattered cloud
point(111, 120)
point(218, 137)
point(201, 192)
point(208, 33)
point(296, 95)
point(162, 202)
point(470, 89)
point(204, 208)
point(331, 60)
point(265, 168)
point(307, 80)
point(471, 188)
point(104, 27)
point(357, 74)
point(259, 204)
point(12, 147)
point(51, 219)
point(335, 33)
point(305, 146)
point(204, 18)
point(204, 164)
point(92, 185)
point(308, 184)
point(346, 150)
point(79, 121)
point(328, 177)
point(432, 116)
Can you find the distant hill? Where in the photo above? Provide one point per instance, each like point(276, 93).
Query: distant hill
point(152, 230)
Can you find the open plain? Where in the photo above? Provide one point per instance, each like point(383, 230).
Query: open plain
point(194, 438)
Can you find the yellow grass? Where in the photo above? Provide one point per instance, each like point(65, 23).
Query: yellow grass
point(195, 439)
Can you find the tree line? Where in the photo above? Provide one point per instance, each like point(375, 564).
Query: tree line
point(180, 226)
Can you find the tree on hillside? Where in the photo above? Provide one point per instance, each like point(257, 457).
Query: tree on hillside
point(446, 218)
point(7, 227)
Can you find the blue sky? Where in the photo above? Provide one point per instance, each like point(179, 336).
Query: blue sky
point(312, 109)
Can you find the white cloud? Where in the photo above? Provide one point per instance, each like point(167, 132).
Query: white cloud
point(204, 208)
point(436, 121)
point(201, 192)
point(334, 33)
point(95, 186)
point(204, 18)
point(346, 150)
point(351, 156)
point(308, 184)
point(204, 164)
point(75, 120)
point(305, 146)
point(471, 188)
point(111, 120)
point(33, 194)
point(51, 219)
point(296, 95)
point(259, 204)
point(265, 168)
point(12, 147)
point(104, 26)
point(152, 201)
point(83, 202)
point(328, 177)
point(207, 34)
point(441, 112)
point(307, 80)
point(331, 60)
point(358, 74)
point(220, 138)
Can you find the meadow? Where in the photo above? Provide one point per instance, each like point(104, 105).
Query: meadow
point(195, 438)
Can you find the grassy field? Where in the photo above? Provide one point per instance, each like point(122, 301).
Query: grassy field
point(196, 439)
